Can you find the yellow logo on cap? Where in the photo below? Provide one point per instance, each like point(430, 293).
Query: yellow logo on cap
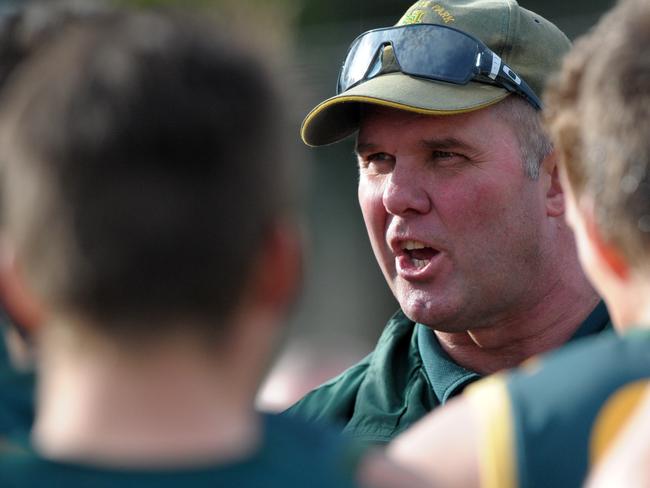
point(444, 14)
point(413, 17)
point(416, 13)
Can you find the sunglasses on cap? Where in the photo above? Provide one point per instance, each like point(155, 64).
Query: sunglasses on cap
point(434, 52)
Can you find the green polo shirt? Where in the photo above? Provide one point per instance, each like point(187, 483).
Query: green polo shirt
point(405, 377)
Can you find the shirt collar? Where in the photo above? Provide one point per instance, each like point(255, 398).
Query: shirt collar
point(448, 378)
point(445, 376)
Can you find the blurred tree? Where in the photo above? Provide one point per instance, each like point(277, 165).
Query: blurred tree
point(274, 20)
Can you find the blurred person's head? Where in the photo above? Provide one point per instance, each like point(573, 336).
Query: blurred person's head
point(599, 113)
point(145, 191)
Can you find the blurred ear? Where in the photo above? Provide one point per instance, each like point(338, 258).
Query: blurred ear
point(20, 304)
point(277, 279)
point(554, 193)
point(606, 252)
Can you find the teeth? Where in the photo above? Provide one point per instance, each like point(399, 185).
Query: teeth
point(410, 245)
point(420, 263)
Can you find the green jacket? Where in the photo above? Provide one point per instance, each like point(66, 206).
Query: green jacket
point(405, 377)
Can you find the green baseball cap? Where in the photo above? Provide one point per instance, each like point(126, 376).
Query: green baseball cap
point(529, 44)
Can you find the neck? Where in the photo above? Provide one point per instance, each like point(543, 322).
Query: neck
point(511, 339)
point(164, 405)
point(628, 302)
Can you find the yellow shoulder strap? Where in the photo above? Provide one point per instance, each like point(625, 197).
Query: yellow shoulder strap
point(496, 447)
point(613, 416)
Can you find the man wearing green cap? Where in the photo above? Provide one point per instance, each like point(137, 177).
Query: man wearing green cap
point(460, 195)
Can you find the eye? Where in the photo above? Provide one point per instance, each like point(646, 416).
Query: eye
point(447, 158)
point(443, 155)
point(376, 163)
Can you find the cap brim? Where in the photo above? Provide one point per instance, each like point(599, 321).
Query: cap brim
point(338, 117)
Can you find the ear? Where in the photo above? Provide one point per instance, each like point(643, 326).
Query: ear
point(20, 304)
point(554, 193)
point(605, 251)
point(278, 277)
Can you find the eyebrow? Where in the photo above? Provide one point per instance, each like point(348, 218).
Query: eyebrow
point(361, 147)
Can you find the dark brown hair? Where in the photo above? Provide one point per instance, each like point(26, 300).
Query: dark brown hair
point(598, 110)
point(144, 164)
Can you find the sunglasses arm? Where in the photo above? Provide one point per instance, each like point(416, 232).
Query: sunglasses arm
point(491, 66)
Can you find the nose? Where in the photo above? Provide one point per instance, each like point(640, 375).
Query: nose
point(405, 193)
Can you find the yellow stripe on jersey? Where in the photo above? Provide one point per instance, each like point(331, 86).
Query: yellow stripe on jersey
point(496, 444)
point(615, 412)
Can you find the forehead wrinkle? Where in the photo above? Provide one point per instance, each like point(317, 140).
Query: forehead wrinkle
point(444, 143)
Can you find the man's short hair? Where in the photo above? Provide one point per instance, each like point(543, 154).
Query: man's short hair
point(144, 164)
point(599, 113)
point(526, 122)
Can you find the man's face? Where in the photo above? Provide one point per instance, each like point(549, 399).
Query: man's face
point(456, 226)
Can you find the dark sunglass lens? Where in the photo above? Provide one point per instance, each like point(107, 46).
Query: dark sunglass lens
point(361, 53)
point(438, 53)
point(428, 51)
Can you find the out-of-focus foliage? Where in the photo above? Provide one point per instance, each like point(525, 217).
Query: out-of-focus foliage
point(316, 12)
point(211, 3)
point(256, 9)
point(274, 20)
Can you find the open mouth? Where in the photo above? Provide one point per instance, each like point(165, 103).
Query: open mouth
point(418, 253)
